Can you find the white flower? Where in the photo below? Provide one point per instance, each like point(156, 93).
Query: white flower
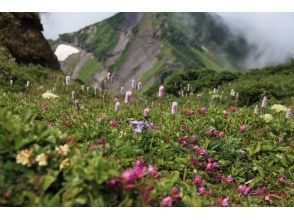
point(264, 102)
point(267, 117)
point(174, 108)
point(256, 110)
point(42, 159)
point(279, 108)
point(62, 150)
point(49, 95)
point(24, 157)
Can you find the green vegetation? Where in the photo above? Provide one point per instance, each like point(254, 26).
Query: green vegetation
point(71, 62)
point(89, 69)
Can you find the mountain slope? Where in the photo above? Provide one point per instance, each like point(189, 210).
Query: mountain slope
point(148, 46)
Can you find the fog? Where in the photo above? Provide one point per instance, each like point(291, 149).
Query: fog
point(270, 34)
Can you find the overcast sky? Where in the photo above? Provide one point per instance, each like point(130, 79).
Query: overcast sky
point(56, 23)
point(271, 33)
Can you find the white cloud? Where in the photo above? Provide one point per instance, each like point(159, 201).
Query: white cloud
point(55, 23)
point(272, 34)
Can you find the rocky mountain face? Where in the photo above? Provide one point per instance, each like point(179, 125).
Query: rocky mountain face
point(21, 34)
point(148, 47)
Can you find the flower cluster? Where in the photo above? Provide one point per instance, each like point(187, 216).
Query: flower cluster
point(212, 132)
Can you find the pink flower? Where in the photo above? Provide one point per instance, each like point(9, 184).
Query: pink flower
point(184, 127)
point(260, 191)
point(233, 108)
point(146, 112)
point(139, 169)
point(198, 181)
point(224, 201)
point(44, 106)
point(128, 175)
point(201, 190)
point(244, 190)
point(282, 179)
point(101, 141)
point(152, 170)
point(209, 168)
point(203, 111)
point(243, 129)
point(226, 112)
point(128, 96)
point(268, 198)
point(174, 108)
point(160, 91)
point(229, 179)
point(113, 123)
point(114, 182)
point(200, 150)
point(166, 201)
point(194, 139)
point(175, 192)
point(221, 134)
point(151, 126)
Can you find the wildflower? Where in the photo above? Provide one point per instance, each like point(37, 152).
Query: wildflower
point(279, 108)
point(11, 82)
point(113, 123)
point(166, 201)
point(184, 127)
point(139, 86)
point(114, 182)
point(229, 179)
point(174, 108)
point(244, 190)
point(233, 108)
point(128, 96)
point(160, 91)
point(133, 84)
point(117, 106)
point(203, 111)
point(101, 141)
point(194, 139)
point(64, 164)
point(62, 150)
point(146, 112)
point(282, 179)
point(198, 181)
point(288, 113)
point(77, 105)
point(139, 170)
point(73, 95)
point(138, 125)
point(260, 191)
point(184, 141)
point(256, 110)
point(264, 102)
point(91, 147)
point(67, 80)
point(83, 88)
point(202, 190)
point(24, 157)
point(200, 150)
point(268, 198)
point(225, 112)
point(42, 159)
point(27, 84)
point(224, 201)
point(242, 129)
point(49, 95)
point(128, 175)
point(232, 93)
point(122, 90)
point(44, 106)
point(152, 170)
point(175, 192)
point(267, 117)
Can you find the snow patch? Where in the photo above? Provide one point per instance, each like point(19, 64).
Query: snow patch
point(63, 51)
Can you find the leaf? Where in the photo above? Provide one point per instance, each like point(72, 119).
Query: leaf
point(47, 181)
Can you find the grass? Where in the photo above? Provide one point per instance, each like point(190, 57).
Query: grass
point(71, 62)
point(152, 72)
point(89, 69)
